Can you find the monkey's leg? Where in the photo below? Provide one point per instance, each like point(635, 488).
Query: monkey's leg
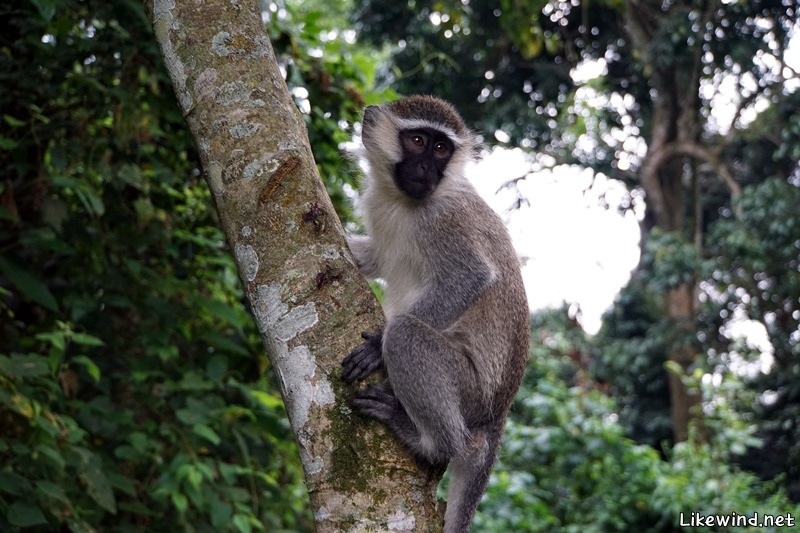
point(364, 359)
point(431, 378)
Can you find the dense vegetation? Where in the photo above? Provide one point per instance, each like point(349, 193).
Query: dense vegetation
point(134, 394)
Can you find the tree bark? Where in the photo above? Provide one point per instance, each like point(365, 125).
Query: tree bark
point(309, 301)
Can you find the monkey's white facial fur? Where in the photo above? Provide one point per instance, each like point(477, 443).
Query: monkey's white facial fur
point(427, 119)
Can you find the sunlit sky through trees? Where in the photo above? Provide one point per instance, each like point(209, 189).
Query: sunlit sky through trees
point(575, 249)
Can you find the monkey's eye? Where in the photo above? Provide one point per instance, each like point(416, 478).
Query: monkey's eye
point(440, 148)
point(418, 140)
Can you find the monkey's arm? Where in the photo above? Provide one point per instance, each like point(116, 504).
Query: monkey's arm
point(458, 282)
point(364, 253)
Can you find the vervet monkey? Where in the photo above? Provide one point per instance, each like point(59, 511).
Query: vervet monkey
point(455, 344)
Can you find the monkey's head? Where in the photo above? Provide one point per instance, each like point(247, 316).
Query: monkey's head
point(416, 143)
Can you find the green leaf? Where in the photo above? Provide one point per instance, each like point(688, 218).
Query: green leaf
point(135, 508)
point(91, 368)
point(674, 368)
point(45, 238)
point(98, 486)
point(132, 175)
point(193, 476)
point(12, 483)
point(13, 122)
point(224, 312)
point(52, 457)
point(144, 210)
point(86, 340)
point(221, 512)
point(47, 8)
point(23, 366)
point(217, 367)
point(192, 381)
point(51, 490)
point(30, 286)
point(242, 523)
point(180, 502)
point(266, 399)
point(91, 202)
point(7, 144)
point(188, 417)
point(207, 433)
point(224, 343)
point(57, 339)
point(23, 514)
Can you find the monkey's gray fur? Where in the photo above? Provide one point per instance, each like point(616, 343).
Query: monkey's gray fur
point(455, 344)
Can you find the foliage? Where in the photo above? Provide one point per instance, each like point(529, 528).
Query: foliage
point(758, 278)
point(669, 261)
point(462, 51)
point(134, 393)
point(509, 65)
point(629, 356)
point(567, 466)
point(332, 80)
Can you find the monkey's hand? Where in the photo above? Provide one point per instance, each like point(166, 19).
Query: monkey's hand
point(364, 255)
point(364, 359)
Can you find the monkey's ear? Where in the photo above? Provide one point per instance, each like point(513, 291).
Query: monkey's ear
point(369, 112)
point(381, 138)
point(476, 150)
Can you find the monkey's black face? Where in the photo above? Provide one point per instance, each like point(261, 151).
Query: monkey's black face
point(426, 153)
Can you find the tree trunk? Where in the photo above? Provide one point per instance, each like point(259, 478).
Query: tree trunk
point(674, 132)
point(309, 302)
point(680, 304)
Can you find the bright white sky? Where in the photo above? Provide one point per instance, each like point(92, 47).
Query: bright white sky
point(573, 249)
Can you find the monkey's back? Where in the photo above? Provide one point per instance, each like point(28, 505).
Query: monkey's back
point(493, 333)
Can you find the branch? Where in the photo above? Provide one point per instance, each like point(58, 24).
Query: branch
point(694, 150)
point(309, 302)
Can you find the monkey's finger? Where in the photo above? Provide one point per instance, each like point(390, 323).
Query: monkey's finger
point(374, 409)
point(359, 352)
point(352, 363)
point(371, 335)
point(378, 392)
point(360, 372)
point(362, 361)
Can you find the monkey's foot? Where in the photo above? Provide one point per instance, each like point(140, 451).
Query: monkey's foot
point(378, 402)
point(364, 359)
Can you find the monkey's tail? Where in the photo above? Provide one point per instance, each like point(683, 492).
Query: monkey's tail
point(469, 475)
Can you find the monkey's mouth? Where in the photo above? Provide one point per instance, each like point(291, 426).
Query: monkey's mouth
point(416, 188)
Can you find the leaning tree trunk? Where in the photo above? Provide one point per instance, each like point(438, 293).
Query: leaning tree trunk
point(309, 302)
